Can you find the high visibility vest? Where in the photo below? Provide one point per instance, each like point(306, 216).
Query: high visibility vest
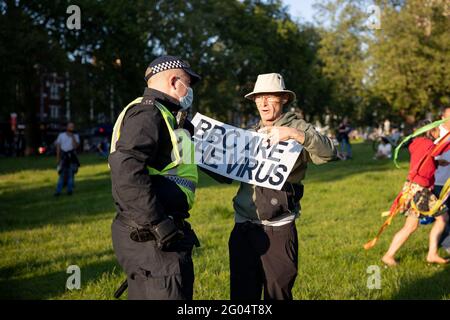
point(182, 170)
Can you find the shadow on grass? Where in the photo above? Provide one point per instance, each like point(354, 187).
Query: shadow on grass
point(431, 288)
point(53, 284)
point(13, 165)
point(19, 269)
point(37, 207)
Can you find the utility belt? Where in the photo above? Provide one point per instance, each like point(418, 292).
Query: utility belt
point(140, 233)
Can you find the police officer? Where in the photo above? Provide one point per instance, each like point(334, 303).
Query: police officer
point(154, 187)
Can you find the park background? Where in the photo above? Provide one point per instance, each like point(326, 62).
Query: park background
point(337, 65)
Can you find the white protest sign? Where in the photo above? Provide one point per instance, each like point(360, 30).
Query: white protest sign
point(241, 154)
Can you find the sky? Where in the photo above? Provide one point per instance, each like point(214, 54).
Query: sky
point(301, 9)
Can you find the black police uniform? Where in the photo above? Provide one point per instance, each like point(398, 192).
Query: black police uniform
point(144, 200)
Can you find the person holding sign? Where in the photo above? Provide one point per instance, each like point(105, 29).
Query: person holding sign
point(263, 245)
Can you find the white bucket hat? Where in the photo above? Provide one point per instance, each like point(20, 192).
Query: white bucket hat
point(270, 83)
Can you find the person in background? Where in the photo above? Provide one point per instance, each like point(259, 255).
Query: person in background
point(103, 147)
point(417, 189)
point(443, 173)
point(384, 150)
point(386, 127)
point(66, 158)
point(395, 135)
point(344, 139)
point(86, 145)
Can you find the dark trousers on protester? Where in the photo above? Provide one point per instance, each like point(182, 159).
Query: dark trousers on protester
point(154, 274)
point(263, 257)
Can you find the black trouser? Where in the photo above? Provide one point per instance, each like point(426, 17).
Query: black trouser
point(153, 274)
point(262, 257)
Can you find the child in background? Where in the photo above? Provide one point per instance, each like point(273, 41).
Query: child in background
point(418, 187)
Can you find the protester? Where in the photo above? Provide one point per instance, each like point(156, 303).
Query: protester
point(66, 158)
point(263, 245)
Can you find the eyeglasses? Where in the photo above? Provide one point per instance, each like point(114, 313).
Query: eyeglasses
point(271, 100)
point(183, 82)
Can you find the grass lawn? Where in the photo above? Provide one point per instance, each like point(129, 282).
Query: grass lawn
point(40, 236)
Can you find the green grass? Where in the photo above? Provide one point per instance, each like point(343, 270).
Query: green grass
point(41, 236)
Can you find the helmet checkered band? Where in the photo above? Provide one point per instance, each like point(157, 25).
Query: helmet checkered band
point(174, 64)
point(169, 62)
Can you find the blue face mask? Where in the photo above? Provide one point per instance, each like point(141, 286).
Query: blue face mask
point(186, 101)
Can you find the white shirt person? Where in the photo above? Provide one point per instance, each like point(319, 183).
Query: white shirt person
point(67, 162)
point(66, 141)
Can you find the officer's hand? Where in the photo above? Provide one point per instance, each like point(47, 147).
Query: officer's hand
point(166, 233)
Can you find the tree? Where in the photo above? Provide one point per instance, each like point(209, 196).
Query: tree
point(228, 43)
point(344, 57)
point(30, 51)
point(410, 55)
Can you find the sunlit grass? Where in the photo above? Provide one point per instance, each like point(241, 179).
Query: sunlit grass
point(40, 236)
